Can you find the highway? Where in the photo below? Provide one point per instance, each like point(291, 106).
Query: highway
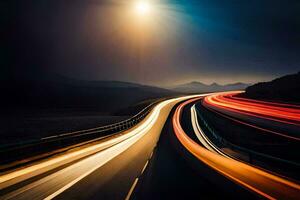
point(281, 112)
point(265, 184)
point(101, 163)
point(205, 141)
point(274, 139)
point(277, 118)
point(165, 156)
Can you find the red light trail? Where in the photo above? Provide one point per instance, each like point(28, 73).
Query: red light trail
point(285, 113)
point(265, 184)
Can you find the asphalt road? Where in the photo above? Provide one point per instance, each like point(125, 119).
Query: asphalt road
point(107, 172)
point(174, 173)
point(267, 141)
point(279, 119)
point(160, 158)
point(261, 182)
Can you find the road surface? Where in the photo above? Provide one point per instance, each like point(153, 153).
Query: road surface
point(161, 157)
point(259, 181)
point(104, 170)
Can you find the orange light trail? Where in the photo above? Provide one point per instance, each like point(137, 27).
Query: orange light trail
point(285, 113)
point(253, 126)
point(265, 102)
point(254, 179)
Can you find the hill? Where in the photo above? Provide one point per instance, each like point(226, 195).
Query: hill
point(32, 109)
point(198, 87)
point(285, 88)
point(66, 93)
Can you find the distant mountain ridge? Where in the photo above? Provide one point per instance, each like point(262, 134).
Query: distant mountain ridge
point(198, 87)
point(286, 88)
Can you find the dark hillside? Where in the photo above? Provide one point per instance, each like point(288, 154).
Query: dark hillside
point(286, 88)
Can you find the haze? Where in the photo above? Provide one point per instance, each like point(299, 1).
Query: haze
point(176, 42)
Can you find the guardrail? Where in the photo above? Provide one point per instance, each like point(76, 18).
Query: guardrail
point(25, 149)
point(254, 157)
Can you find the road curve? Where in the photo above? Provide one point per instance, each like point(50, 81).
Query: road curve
point(277, 112)
point(106, 163)
point(254, 179)
point(275, 118)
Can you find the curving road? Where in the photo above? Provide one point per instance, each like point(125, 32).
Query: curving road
point(109, 164)
point(265, 184)
point(276, 118)
point(155, 159)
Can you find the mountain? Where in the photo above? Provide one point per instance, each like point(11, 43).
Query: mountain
point(286, 88)
point(66, 93)
point(198, 87)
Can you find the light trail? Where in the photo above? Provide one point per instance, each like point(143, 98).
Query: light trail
point(261, 104)
point(214, 148)
point(254, 179)
point(20, 175)
point(201, 136)
point(95, 156)
point(265, 102)
point(277, 112)
point(253, 126)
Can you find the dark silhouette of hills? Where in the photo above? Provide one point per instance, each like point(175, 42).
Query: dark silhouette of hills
point(286, 88)
point(198, 87)
point(66, 93)
point(52, 104)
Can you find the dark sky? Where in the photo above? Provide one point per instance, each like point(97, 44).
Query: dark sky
point(178, 41)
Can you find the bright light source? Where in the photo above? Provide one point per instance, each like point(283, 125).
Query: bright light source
point(142, 7)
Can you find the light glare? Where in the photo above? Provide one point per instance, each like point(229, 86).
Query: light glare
point(142, 7)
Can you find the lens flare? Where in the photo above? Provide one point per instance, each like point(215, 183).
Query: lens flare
point(142, 7)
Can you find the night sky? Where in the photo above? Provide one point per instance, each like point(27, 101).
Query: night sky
point(220, 41)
